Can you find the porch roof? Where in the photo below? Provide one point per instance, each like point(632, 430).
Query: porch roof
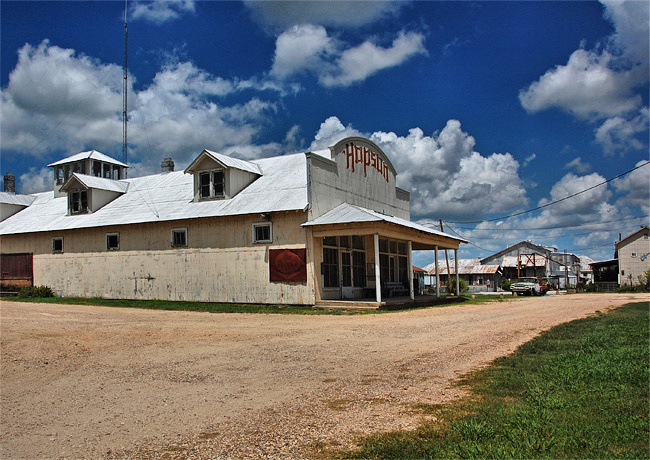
point(347, 217)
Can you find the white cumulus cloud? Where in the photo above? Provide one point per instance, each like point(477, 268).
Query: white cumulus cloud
point(444, 174)
point(603, 83)
point(161, 11)
point(58, 100)
point(309, 48)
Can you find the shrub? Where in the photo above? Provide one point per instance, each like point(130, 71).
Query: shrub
point(505, 284)
point(462, 285)
point(36, 291)
point(591, 287)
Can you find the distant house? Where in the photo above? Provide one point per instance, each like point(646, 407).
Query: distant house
point(479, 277)
point(633, 254)
point(522, 259)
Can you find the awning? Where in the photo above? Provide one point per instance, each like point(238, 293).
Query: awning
point(350, 219)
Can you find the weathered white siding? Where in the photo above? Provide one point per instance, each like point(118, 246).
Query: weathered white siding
point(337, 181)
point(220, 264)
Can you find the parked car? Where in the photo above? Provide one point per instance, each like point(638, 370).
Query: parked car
point(529, 286)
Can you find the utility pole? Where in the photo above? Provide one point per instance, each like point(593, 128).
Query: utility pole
point(125, 91)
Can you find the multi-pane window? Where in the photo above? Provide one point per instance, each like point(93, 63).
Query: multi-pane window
point(179, 237)
point(351, 267)
point(330, 267)
point(262, 233)
point(212, 184)
point(359, 268)
point(57, 244)
point(78, 201)
point(112, 241)
point(393, 261)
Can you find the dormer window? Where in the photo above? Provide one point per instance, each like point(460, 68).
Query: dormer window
point(78, 201)
point(218, 176)
point(212, 184)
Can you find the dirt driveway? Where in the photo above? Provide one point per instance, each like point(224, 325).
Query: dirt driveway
point(92, 382)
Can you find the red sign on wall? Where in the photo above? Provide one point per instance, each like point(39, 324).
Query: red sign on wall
point(366, 158)
point(288, 265)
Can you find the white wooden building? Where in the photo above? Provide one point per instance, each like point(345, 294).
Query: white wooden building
point(292, 229)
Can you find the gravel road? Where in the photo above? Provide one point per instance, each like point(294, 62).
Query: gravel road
point(94, 382)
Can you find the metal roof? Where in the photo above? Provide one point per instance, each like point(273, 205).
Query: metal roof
point(524, 261)
point(465, 267)
point(20, 200)
point(347, 213)
point(228, 162)
point(169, 196)
point(92, 154)
point(100, 183)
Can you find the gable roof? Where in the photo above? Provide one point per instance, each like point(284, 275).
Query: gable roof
point(632, 237)
point(225, 161)
point(92, 154)
point(168, 197)
point(528, 244)
point(96, 183)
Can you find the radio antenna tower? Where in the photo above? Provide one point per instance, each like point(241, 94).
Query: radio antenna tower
point(125, 90)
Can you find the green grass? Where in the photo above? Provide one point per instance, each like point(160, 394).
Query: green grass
point(211, 307)
point(580, 390)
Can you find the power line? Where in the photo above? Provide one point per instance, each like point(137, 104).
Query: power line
point(550, 227)
point(552, 202)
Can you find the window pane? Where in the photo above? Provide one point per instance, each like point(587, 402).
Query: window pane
point(217, 178)
point(403, 270)
point(97, 169)
point(359, 267)
point(74, 202)
point(344, 241)
point(204, 184)
point(330, 241)
point(179, 238)
point(84, 200)
point(113, 241)
point(383, 245)
point(346, 268)
point(330, 267)
point(393, 247)
point(358, 242)
point(401, 248)
point(57, 244)
point(262, 232)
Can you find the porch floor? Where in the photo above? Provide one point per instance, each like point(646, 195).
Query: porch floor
point(391, 303)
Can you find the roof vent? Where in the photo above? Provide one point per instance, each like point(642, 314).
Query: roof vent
point(10, 183)
point(167, 165)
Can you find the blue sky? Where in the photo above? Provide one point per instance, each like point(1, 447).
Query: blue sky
point(486, 109)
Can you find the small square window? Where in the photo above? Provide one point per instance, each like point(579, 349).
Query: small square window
point(179, 237)
point(57, 244)
point(112, 241)
point(262, 233)
point(634, 254)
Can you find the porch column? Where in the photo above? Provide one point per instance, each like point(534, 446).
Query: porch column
point(437, 274)
point(410, 265)
point(457, 274)
point(377, 270)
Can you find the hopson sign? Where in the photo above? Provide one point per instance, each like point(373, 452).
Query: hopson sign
point(357, 155)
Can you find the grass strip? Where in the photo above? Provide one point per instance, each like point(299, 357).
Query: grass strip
point(580, 390)
point(212, 307)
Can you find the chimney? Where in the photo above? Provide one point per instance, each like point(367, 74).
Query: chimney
point(167, 165)
point(10, 183)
